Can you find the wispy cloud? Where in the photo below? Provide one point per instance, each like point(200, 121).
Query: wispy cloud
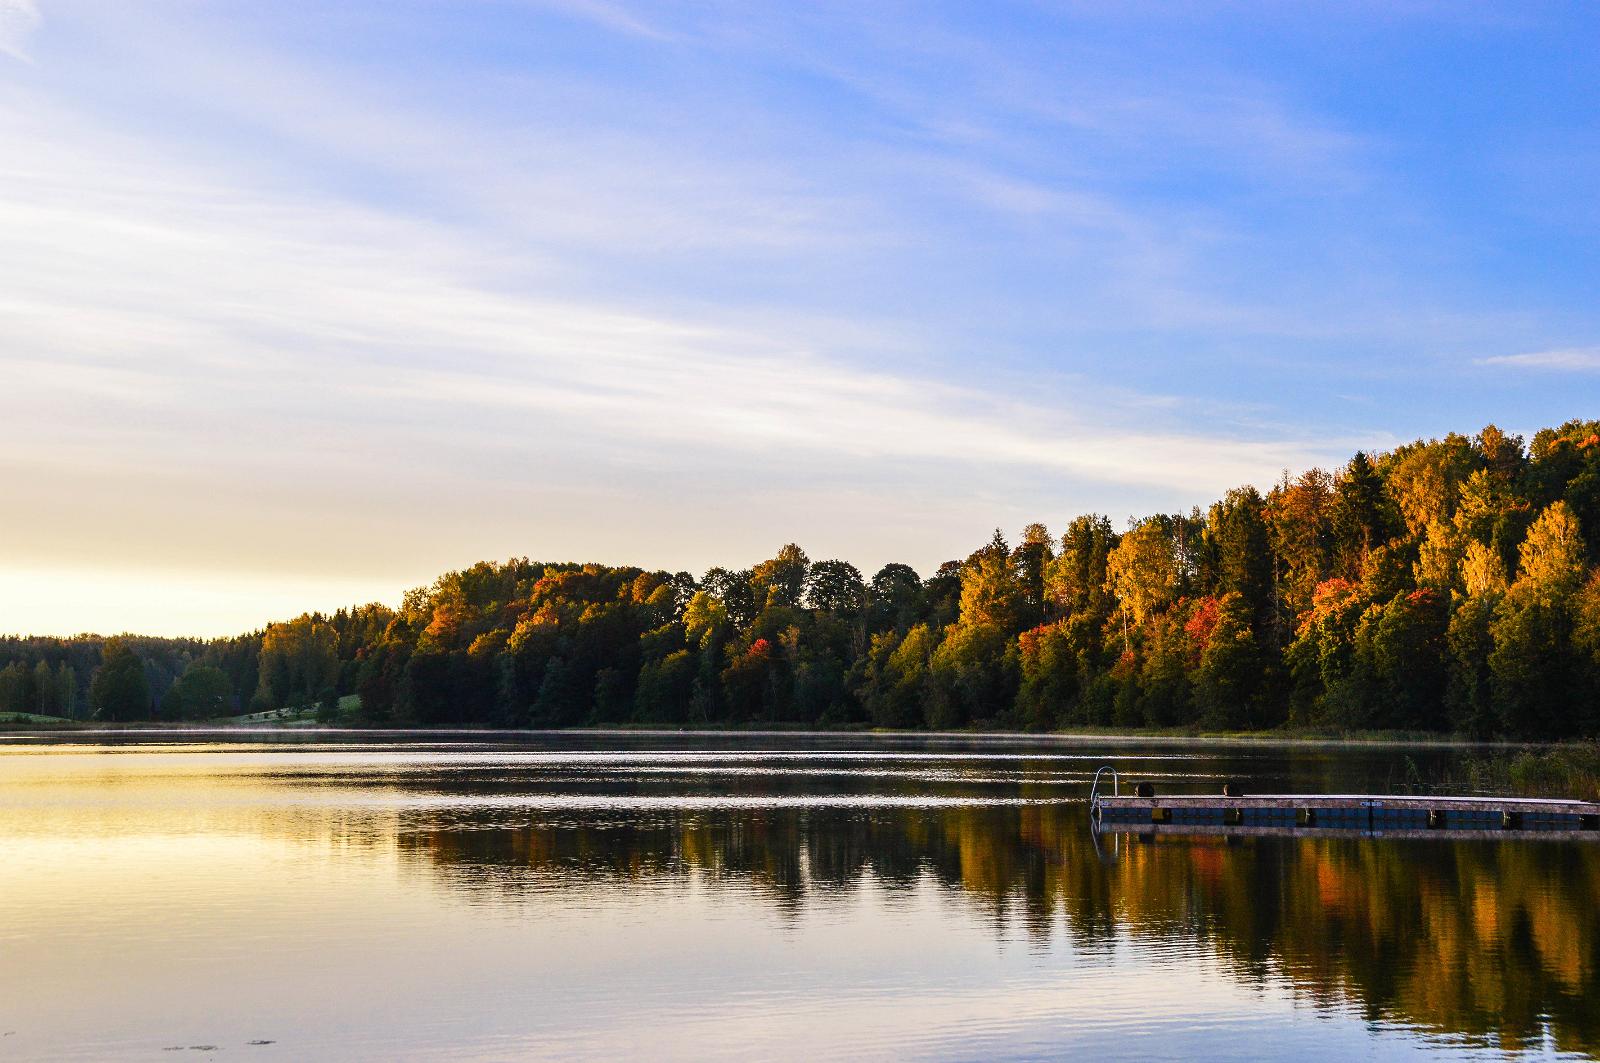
point(1560, 359)
point(18, 20)
point(711, 192)
point(611, 16)
point(217, 291)
point(774, 270)
point(239, 360)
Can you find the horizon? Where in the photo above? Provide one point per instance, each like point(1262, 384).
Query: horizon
point(201, 600)
point(393, 600)
point(304, 308)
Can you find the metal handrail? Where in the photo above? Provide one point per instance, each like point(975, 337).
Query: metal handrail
point(1094, 789)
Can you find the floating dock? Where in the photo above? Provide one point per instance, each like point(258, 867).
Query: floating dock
point(1355, 813)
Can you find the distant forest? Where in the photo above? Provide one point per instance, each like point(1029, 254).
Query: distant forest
point(1450, 585)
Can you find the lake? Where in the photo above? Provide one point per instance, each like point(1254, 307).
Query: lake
point(297, 896)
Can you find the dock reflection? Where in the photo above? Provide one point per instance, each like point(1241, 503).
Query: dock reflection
point(1492, 939)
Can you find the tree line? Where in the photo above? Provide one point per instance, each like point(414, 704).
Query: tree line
point(1447, 585)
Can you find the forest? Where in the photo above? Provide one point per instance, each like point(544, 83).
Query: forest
point(1446, 586)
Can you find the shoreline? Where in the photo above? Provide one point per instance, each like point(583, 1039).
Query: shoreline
point(1308, 737)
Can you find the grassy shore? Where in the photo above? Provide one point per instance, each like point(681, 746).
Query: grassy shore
point(32, 719)
point(1571, 770)
point(1499, 751)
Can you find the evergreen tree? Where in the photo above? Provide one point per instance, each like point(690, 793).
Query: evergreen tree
point(120, 690)
point(1359, 514)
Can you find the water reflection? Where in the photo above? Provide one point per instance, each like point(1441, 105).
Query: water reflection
point(1499, 941)
point(1438, 945)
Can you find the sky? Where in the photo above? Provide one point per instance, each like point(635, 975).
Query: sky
point(304, 304)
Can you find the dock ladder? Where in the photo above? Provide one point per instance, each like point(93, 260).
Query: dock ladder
point(1094, 791)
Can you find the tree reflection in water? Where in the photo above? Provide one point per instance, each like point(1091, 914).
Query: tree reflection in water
point(1476, 938)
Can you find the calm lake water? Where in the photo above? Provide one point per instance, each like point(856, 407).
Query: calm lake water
point(296, 897)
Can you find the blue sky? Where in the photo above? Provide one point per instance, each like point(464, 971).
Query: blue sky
point(302, 304)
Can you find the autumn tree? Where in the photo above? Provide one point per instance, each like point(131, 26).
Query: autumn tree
point(781, 580)
point(1447, 585)
point(991, 593)
point(1299, 519)
point(1142, 572)
point(1076, 581)
point(1424, 480)
point(1535, 673)
point(299, 660)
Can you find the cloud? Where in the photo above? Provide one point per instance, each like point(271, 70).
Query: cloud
point(309, 321)
point(18, 20)
point(610, 16)
point(263, 378)
point(1116, 114)
point(705, 189)
point(1560, 359)
point(137, 282)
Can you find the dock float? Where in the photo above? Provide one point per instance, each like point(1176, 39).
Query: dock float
point(1402, 814)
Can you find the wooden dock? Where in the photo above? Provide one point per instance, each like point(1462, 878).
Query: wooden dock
point(1399, 813)
point(1150, 831)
